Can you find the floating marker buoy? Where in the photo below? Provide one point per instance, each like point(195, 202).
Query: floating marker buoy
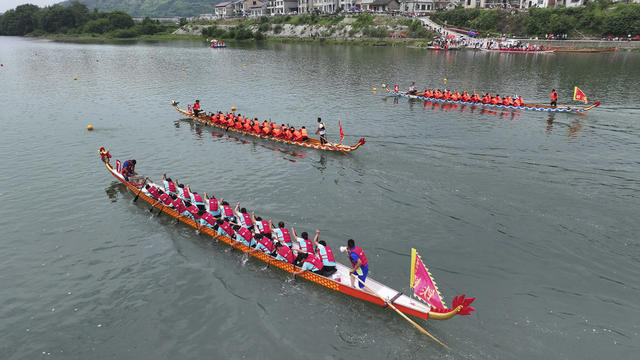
point(182, 69)
point(374, 89)
point(75, 78)
point(233, 108)
point(1, 65)
point(97, 60)
point(90, 127)
point(244, 64)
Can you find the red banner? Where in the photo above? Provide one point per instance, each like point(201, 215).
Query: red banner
point(341, 133)
point(423, 284)
point(579, 95)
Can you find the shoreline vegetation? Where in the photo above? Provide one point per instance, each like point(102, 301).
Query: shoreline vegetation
point(76, 23)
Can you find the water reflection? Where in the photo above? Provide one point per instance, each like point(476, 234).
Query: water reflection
point(113, 190)
point(572, 128)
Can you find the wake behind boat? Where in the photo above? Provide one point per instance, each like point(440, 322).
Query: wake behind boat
point(532, 107)
point(375, 292)
point(309, 142)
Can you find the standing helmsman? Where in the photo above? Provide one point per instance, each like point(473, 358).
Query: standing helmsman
point(554, 98)
point(359, 261)
point(322, 131)
point(128, 169)
point(196, 108)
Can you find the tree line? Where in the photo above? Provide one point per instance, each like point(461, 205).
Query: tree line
point(76, 18)
point(597, 18)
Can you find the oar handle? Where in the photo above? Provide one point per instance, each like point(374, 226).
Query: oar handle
point(141, 187)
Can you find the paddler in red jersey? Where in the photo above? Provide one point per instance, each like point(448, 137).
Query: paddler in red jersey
point(304, 134)
point(554, 98)
point(247, 125)
point(518, 101)
point(310, 262)
point(438, 94)
point(276, 132)
point(266, 128)
point(428, 93)
point(256, 126)
point(456, 96)
point(475, 98)
point(466, 97)
point(486, 98)
point(326, 255)
point(358, 260)
point(196, 108)
point(507, 101)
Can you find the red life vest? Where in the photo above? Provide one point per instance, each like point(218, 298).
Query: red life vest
point(193, 210)
point(179, 205)
point(328, 257)
point(304, 133)
point(361, 255)
point(286, 253)
point(308, 246)
point(285, 236)
point(196, 106)
point(267, 243)
point(264, 227)
point(197, 198)
point(227, 210)
point(247, 219)
point(172, 187)
point(213, 205)
point(227, 228)
point(554, 96)
point(314, 260)
point(154, 192)
point(208, 218)
point(245, 233)
point(185, 193)
point(166, 199)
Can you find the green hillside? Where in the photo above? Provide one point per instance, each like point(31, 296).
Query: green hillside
point(154, 8)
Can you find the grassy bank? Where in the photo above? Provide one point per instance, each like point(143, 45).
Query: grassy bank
point(597, 19)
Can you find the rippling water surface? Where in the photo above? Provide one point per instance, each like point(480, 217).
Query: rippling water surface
point(534, 214)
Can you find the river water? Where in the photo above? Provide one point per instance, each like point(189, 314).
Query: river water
point(534, 214)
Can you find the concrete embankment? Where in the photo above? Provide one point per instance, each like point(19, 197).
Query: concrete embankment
point(585, 44)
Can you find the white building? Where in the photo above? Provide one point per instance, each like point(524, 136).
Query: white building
point(419, 7)
point(281, 7)
point(224, 9)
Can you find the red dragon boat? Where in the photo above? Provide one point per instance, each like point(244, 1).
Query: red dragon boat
point(310, 142)
point(339, 281)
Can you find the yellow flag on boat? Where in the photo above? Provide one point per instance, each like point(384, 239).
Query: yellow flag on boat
point(579, 95)
point(422, 283)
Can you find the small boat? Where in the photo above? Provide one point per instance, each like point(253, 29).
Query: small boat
point(217, 44)
point(584, 50)
point(310, 142)
point(339, 281)
point(437, 47)
point(533, 107)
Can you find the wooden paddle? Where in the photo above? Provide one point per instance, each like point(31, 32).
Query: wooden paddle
point(141, 187)
point(402, 314)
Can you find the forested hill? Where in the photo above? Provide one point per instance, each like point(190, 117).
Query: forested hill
point(153, 8)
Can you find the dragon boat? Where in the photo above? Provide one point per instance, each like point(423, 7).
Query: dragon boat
point(310, 142)
point(340, 281)
point(519, 51)
point(584, 51)
point(533, 107)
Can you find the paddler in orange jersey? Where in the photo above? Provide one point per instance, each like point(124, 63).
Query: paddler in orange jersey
point(486, 98)
point(456, 96)
point(297, 135)
point(288, 134)
point(276, 132)
point(466, 97)
point(428, 93)
point(304, 134)
point(496, 100)
point(438, 94)
point(256, 126)
point(518, 101)
point(446, 95)
point(266, 128)
point(238, 124)
point(554, 98)
point(247, 125)
point(507, 101)
point(475, 98)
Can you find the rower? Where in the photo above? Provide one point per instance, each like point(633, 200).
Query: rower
point(326, 255)
point(169, 186)
point(276, 132)
point(196, 199)
point(244, 235)
point(165, 198)
point(554, 98)
point(256, 126)
point(265, 244)
point(288, 134)
point(304, 134)
point(266, 129)
point(412, 88)
point(244, 219)
point(281, 233)
point(322, 132)
point(183, 192)
point(224, 228)
point(226, 210)
point(247, 125)
point(211, 204)
point(359, 261)
point(152, 191)
point(178, 205)
point(284, 253)
point(304, 245)
point(297, 135)
point(191, 210)
point(129, 169)
point(262, 226)
point(310, 262)
point(196, 108)
point(206, 219)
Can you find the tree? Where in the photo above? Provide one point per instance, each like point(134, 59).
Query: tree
point(20, 21)
point(120, 19)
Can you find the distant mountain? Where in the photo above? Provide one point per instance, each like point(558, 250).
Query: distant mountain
point(154, 8)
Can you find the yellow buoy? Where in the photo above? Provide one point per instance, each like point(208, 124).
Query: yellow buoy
point(233, 108)
point(374, 89)
point(182, 69)
point(75, 78)
point(90, 127)
point(244, 64)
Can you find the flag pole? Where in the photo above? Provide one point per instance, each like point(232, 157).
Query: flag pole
point(402, 314)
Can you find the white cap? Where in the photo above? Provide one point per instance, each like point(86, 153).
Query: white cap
point(343, 248)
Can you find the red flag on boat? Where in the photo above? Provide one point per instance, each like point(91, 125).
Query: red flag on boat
point(423, 284)
point(579, 95)
point(341, 133)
